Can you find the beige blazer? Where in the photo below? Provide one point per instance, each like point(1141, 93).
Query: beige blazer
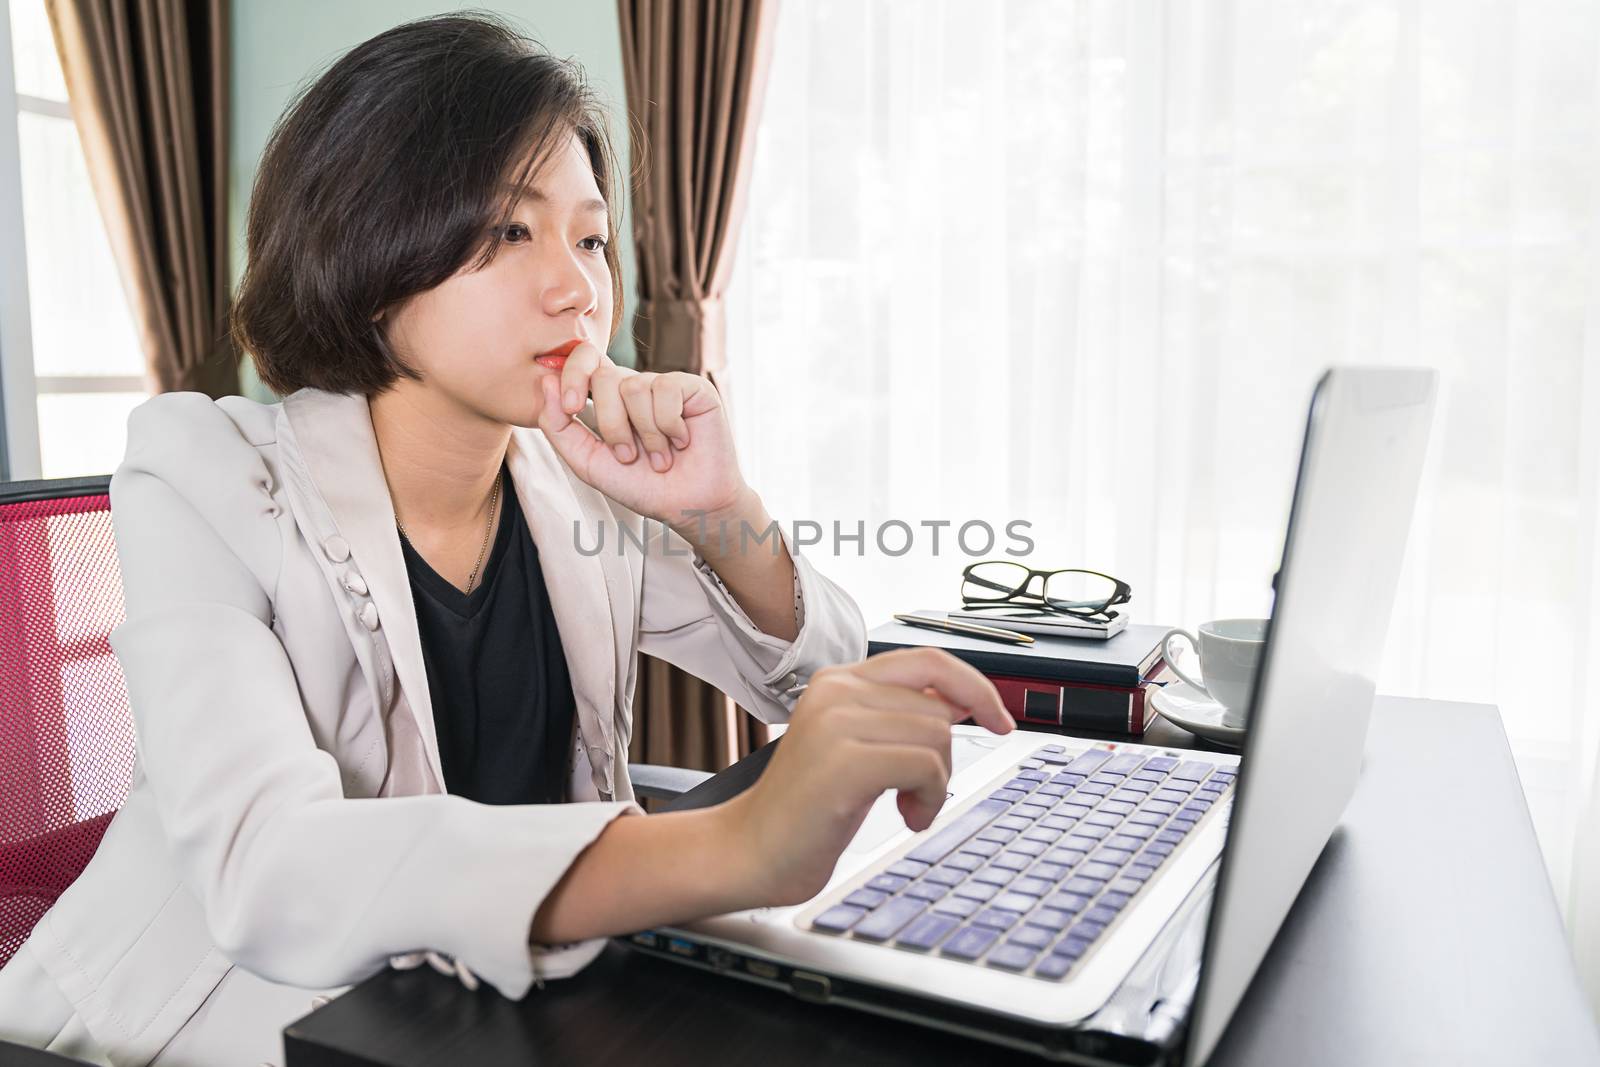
point(288, 814)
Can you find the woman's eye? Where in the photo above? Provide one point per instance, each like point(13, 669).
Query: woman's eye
point(601, 240)
point(515, 233)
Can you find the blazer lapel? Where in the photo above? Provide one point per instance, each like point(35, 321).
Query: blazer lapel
point(340, 452)
point(580, 590)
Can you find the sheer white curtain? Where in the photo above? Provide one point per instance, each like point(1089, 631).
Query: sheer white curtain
point(1080, 264)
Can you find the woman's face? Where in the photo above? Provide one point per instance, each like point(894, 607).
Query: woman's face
point(473, 337)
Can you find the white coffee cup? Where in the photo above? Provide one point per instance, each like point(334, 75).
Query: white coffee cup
point(1230, 652)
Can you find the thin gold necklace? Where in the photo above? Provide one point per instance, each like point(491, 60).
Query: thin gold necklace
point(494, 499)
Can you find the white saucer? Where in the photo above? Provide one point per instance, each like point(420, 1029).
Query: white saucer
point(1186, 706)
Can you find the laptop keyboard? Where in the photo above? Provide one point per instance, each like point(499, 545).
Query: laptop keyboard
point(1030, 877)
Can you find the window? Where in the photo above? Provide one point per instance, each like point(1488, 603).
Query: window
point(86, 361)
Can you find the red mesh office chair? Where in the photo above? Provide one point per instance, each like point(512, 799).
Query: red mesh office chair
point(66, 733)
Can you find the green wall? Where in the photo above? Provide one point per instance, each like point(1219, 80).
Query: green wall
point(280, 45)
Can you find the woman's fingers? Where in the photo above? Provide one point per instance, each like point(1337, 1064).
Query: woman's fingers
point(637, 395)
point(958, 683)
point(611, 414)
point(668, 396)
point(914, 770)
point(580, 366)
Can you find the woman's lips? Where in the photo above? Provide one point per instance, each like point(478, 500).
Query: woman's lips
point(556, 358)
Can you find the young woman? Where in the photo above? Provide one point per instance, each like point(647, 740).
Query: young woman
point(381, 679)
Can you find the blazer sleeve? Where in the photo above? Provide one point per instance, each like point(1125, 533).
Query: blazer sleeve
point(298, 883)
point(688, 618)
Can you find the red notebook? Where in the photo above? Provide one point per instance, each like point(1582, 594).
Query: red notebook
point(1068, 706)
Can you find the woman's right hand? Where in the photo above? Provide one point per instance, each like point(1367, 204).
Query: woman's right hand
point(860, 729)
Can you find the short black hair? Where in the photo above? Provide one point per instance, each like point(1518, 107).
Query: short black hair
point(386, 176)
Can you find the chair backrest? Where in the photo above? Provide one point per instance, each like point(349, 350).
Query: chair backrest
point(66, 731)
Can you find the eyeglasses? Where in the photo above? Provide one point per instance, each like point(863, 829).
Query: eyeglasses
point(996, 583)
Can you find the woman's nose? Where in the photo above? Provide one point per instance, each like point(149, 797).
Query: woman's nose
point(568, 287)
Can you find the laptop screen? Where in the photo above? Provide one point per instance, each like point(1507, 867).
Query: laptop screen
point(1360, 466)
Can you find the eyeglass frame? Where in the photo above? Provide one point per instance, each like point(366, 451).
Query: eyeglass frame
point(1121, 593)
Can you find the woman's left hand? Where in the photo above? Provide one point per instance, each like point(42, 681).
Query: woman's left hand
point(665, 449)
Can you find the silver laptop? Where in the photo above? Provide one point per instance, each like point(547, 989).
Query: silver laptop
point(1103, 902)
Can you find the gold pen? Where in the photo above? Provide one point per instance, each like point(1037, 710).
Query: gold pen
point(966, 629)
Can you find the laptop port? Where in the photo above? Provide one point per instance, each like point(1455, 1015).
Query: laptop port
point(761, 969)
point(808, 986)
point(680, 947)
point(720, 958)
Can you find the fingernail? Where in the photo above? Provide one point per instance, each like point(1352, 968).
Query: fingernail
point(624, 452)
point(658, 461)
point(679, 443)
point(570, 401)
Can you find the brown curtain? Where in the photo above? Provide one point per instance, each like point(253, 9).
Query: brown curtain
point(148, 81)
point(695, 74)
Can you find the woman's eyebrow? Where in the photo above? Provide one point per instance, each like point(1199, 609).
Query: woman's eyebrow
point(594, 205)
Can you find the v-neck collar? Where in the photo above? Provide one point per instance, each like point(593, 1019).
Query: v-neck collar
point(439, 588)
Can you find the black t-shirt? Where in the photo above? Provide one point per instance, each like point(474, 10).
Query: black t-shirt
point(502, 698)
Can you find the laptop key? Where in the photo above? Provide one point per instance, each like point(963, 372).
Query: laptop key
point(1053, 872)
point(997, 835)
point(1072, 948)
point(1014, 823)
point(1009, 796)
point(1085, 886)
point(1028, 847)
point(1021, 903)
point(1089, 762)
point(907, 868)
point(926, 931)
point(1087, 929)
point(983, 848)
point(1126, 886)
point(965, 862)
point(1071, 903)
point(1101, 871)
point(1137, 830)
point(1034, 886)
point(1119, 807)
point(1125, 842)
point(1013, 861)
point(1148, 775)
point(1194, 770)
point(1034, 775)
point(1102, 818)
point(995, 918)
point(1139, 872)
point(1034, 937)
point(1056, 822)
point(960, 907)
point(1043, 835)
point(993, 875)
point(866, 898)
point(1024, 786)
point(1012, 957)
point(838, 919)
point(887, 919)
point(1052, 919)
point(1160, 763)
point(927, 890)
point(1093, 789)
point(1147, 818)
point(1024, 811)
point(1124, 763)
point(1114, 900)
point(1170, 796)
point(950, 837)
point(969, 942)
point(1053, 966)
point(1116, 857)
point(889, 883)
point(976, 890)
point(1171, 837)
point(1066, 857)
point(1158, 807)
